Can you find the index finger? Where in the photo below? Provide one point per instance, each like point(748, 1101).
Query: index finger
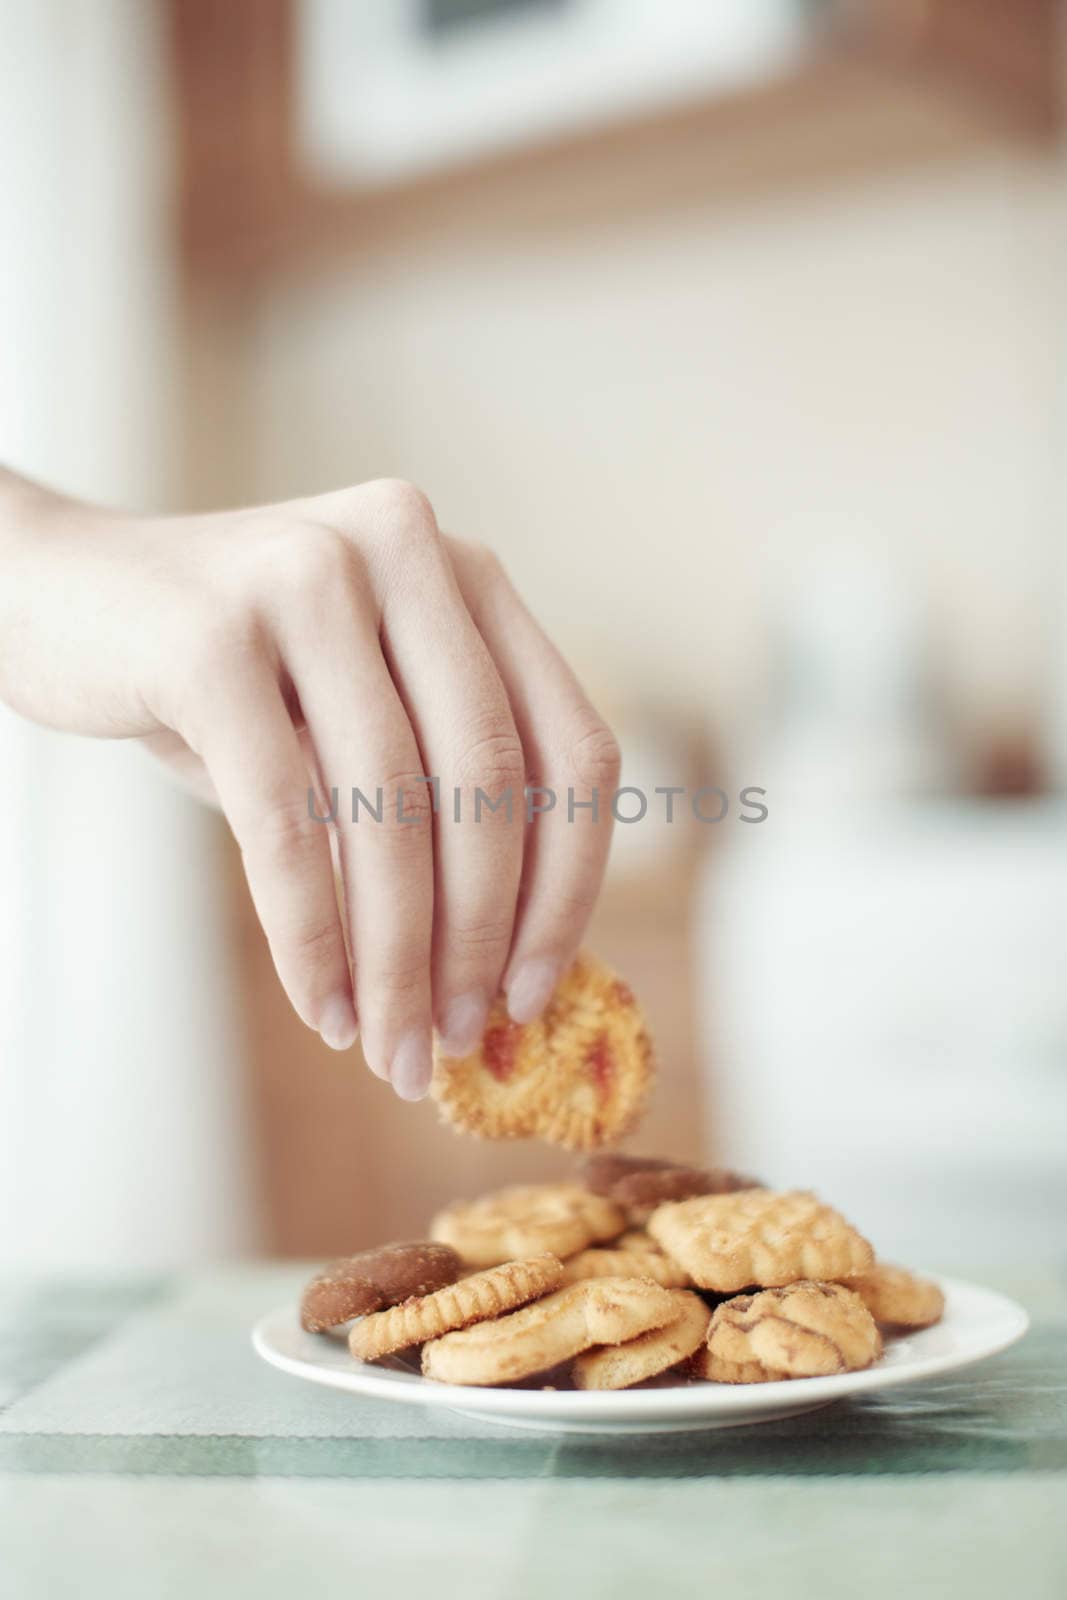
point(569, 751)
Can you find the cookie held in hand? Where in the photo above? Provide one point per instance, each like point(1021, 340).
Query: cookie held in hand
point(524, 1219)
point(728, 1242)
point(598, 1311)
point(578, 1076)
point(804, 1330)
point(373, 1279)
point(484, 1295)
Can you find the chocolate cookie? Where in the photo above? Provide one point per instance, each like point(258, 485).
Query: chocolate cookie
point(651, 1187)
point(601, 1173)
point(375, 1279)
point(640, 1183)
point(479, 1298)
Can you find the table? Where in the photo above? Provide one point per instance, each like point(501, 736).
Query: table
point(145, 1451)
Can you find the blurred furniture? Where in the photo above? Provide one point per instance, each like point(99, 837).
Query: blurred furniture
point(891, 1023)
point(875, 81)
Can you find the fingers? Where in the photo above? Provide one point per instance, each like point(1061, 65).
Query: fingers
point(246, 738)
point(363, 740)
point(465, 730)
point(569, 751)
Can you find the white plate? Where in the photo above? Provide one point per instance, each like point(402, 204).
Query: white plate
point(977, 1323)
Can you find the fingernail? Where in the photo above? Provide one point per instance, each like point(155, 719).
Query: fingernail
point(337, 1023)
point(412, 1066)
point(463, 1024)
point(531, 989)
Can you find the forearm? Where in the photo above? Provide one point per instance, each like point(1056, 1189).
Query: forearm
point(24, 508)
point(58, 663)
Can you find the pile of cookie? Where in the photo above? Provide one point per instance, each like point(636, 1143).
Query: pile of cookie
point(638, 1268)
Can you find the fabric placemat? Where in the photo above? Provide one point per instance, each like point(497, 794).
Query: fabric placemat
point(163, 1379)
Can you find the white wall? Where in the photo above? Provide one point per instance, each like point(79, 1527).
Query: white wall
point(120, 1137)
point(659, 417)
point(696, 392)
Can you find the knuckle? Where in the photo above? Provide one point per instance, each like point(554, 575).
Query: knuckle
point(401, 974)
point(306, 559)
point(281, 837)
point(574, 905)
point(315, 943)
point(406, 797)
point(479, 559)
point(405, 511)
point(594, 758)
point(493, 762)
point(478, 934)
point(220, 645)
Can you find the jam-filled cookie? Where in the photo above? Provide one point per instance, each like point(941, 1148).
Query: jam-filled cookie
point(578, 1076)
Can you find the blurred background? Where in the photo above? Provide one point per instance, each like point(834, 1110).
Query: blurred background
point(739, 329)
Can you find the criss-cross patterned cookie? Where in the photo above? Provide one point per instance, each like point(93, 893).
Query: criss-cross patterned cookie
point(471, 1300)
point(756, 1236)
point(804, 1330)
point(594, 1312)
point(373, 1279)
point(577, 1076)
point(899, 1298)
point(616, 1262)
point(524, 1219)
point(622, 1365)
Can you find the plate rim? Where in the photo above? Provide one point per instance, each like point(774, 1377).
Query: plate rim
point(589, 1405)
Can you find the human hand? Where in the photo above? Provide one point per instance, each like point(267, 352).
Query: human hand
point(345, 636)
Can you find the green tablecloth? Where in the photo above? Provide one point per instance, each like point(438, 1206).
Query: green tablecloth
point(144, 1450)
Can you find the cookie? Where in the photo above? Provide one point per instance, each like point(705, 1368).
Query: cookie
point(732, 1241)
point(805, 1330)
point(471, 1300)
point(622, 1365)
point(355, 1285)
point(628, 1263)
point(600, 1173)
point(636, 1239)
point(577, 1076)
point(641, 1183)
point(898, 1298)
point(597, 1311)
point(525, 1219)
point(641, 1192)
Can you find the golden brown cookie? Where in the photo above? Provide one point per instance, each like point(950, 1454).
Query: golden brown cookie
point(899, 1298)
point(636, 1239)
point(577, 1076)
point(621, 1365)
point(805, 1330)
point(596, 1311)
point(373, 1279)
point(628, 1263)
point(756, 1236)
point(525, 1219)
point(485, 1294)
